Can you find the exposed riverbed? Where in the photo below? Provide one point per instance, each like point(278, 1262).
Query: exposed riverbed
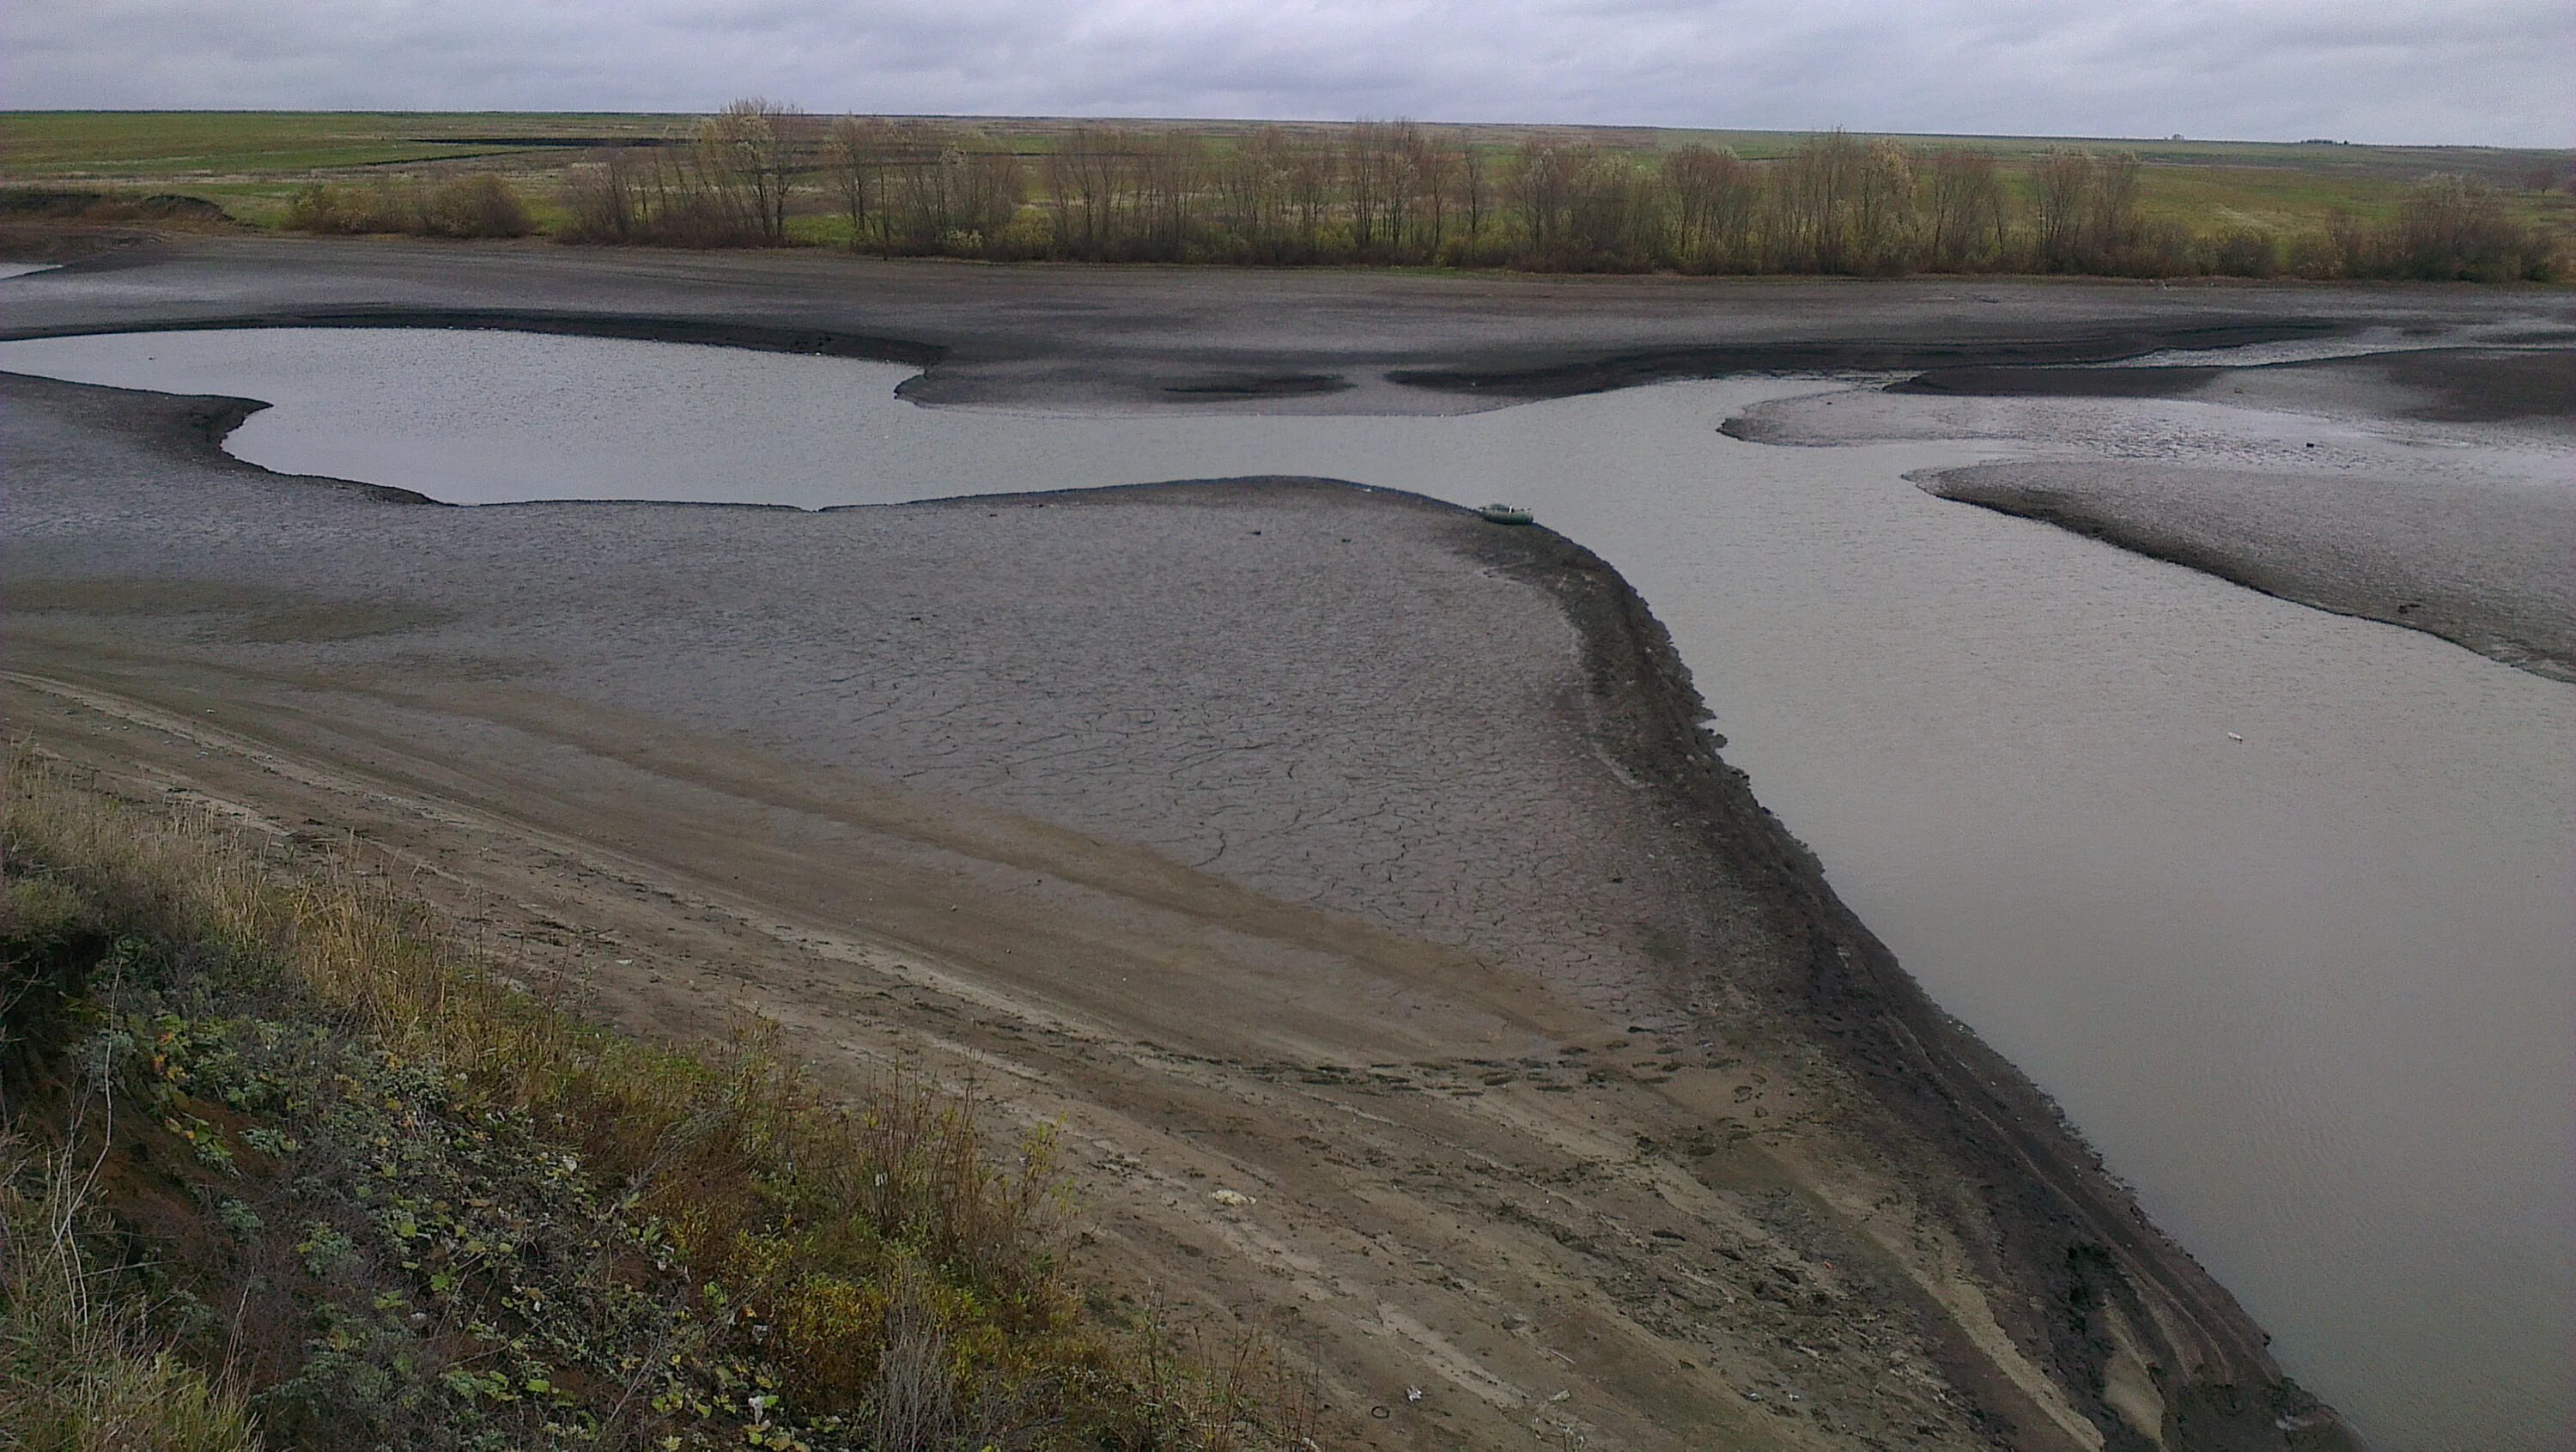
point(2308, 988)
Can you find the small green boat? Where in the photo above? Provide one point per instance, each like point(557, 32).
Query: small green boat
point(1506, 514)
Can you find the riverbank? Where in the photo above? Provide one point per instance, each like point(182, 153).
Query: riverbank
point(1206, 338)
point(1422, 870)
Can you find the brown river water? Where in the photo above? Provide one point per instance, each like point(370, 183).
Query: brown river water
point(2281, 906)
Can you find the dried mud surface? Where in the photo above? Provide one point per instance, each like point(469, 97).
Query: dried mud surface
point(1320, 844)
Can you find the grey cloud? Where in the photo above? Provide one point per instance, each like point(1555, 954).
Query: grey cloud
point(2479, 71)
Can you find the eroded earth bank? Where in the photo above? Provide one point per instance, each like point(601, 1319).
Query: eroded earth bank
point(1321, 845)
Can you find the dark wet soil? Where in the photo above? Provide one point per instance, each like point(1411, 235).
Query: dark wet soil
point(2441, 385)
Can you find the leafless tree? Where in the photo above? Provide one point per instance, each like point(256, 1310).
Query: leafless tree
point(1397, 191)
point(857, 159)
point(951, 190)
point(1542, 187)
point(1169, 171)
point(1883, 208)
point(1710, 200)
point(2084, 211)
point(1314, 174)
point(1428, 178)
point(1845, 205)
point(2111, 223)
point(1475, 193)
point(2456, 228)
point(1609, 210)
point(1090, 183)
point(2061, 197)
point(606, 197)
point(1964, 208)
point(1369, 164)
point(1813, 191)
point(750, 153)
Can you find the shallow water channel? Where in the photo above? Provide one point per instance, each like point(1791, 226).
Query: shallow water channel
point(2309, 990)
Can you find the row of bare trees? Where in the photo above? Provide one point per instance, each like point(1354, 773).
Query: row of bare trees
point(1372, 192)
point(2449, 229)
point(732, 184)
point(1836, 204)
point(1397, 192)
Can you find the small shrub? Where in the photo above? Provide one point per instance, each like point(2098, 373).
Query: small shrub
point(80, 1369)
point(318, 209)
point(478, 205)
point(2246, 252)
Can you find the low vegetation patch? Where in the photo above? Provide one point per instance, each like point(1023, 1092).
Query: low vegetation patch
point(284, 1166)
point(474, 204)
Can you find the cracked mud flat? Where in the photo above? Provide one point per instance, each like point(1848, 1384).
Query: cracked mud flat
point(2429, 488)
point(1588, 1087)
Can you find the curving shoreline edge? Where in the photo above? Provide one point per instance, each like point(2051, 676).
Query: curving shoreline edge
point(2221, 1386)
point(2005, 490)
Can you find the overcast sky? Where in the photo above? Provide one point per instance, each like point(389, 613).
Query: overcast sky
point(2493, 71)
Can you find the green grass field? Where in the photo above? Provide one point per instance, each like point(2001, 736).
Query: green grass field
point(103, 145)
point(251, 162)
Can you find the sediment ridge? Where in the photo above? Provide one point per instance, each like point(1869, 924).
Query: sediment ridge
point(2419, 487)
point(2489, 570)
